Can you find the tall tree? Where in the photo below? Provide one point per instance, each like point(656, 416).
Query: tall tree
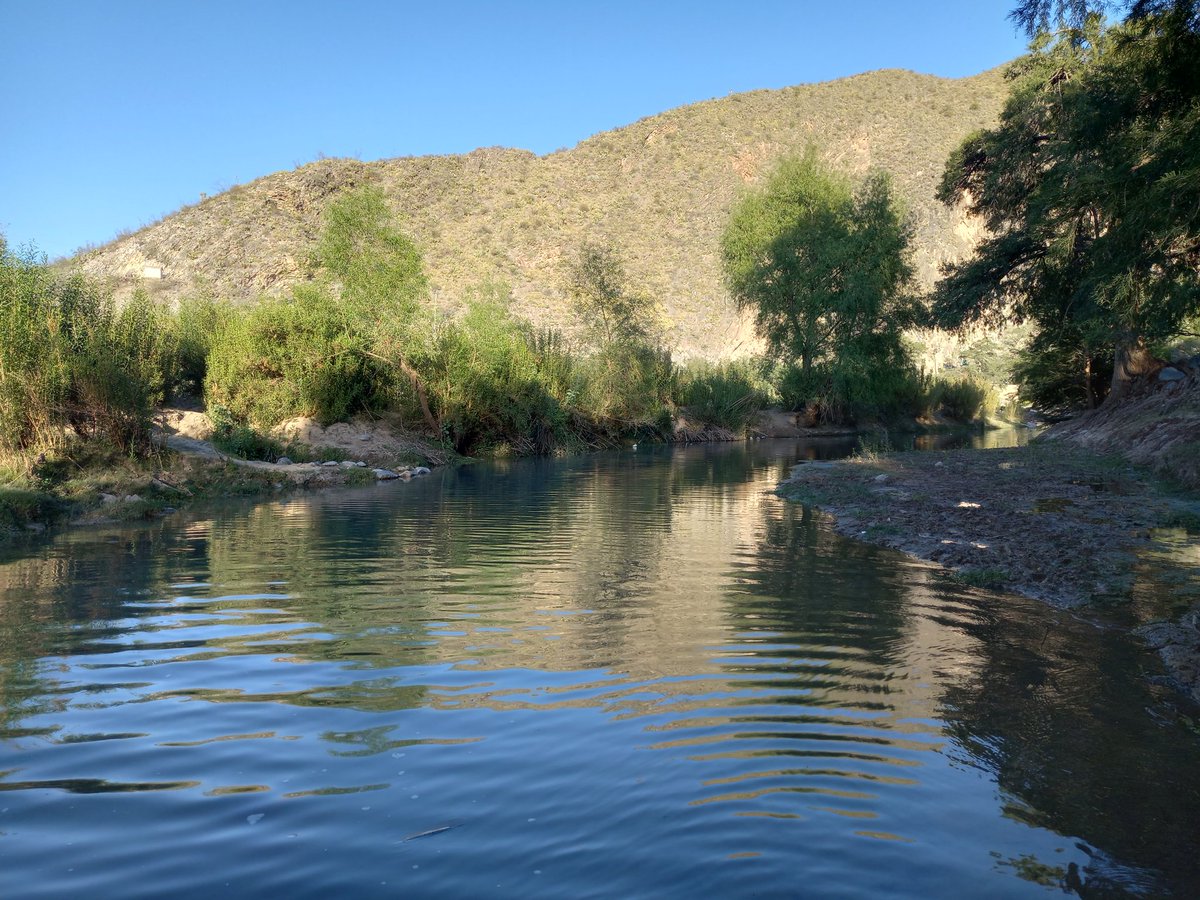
point(1090, 187)
point(824, 267)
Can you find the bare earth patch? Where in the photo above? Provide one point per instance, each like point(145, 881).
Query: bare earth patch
point(1048, 521)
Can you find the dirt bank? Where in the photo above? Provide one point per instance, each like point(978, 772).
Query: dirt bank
point(1049, 521)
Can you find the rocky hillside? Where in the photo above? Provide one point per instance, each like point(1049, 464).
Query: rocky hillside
point(658, 190)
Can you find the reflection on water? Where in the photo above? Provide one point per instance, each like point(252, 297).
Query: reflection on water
point(626, 674)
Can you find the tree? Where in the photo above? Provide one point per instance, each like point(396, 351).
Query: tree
point(1090, 188)
point(1036, 16)
point(824, 268)
point(382, 279)
point(600, 295)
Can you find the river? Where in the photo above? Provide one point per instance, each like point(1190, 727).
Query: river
point(626, 674)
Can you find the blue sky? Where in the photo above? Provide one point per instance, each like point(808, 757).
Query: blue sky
point(118, 112)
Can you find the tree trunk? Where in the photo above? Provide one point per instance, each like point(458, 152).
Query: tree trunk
point(430, 420)
point(1131, 362)
point(1087, 381)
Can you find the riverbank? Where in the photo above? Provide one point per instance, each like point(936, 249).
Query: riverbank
point(94, 486)
point(1053, 522)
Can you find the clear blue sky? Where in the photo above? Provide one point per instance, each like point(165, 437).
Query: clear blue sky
point(118, 112)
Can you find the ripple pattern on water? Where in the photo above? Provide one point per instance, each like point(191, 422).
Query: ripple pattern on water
point(617, 675)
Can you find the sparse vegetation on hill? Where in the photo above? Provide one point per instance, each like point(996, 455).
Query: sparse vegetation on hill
point(658, 191)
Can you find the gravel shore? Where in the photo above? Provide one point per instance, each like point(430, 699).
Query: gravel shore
point(1055, 523)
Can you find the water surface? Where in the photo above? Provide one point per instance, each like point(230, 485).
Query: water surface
point(631, 674)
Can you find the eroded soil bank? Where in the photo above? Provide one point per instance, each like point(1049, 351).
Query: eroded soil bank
point(1049, 521)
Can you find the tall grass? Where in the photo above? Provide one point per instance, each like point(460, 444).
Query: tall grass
point(729, 395)
point(73, 362)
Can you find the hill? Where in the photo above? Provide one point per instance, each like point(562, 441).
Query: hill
point(658, 190)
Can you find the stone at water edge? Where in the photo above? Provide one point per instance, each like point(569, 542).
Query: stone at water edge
point(419, 470)
point(385, 474)
point(329, 463)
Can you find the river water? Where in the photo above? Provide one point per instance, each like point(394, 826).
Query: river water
point(628, 674)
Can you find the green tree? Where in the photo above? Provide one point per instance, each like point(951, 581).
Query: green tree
point(333, 347)
point(825, 269)
point(611, 311)
point(383, 280)
point(1090, 188)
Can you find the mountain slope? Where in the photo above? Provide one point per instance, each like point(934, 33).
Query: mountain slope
point(658, 190)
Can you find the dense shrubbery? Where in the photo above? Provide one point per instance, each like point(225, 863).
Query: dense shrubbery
point(71, 359)
point(360, 338)
point(962, 400)
point(728, 395)
point(304, 355)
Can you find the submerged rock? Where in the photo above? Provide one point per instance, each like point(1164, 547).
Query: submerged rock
point(419, 470)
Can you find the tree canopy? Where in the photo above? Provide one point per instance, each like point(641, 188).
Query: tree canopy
point(1090, 188)
point(824, 267)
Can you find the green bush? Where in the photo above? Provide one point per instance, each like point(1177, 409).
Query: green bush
point(305, 355)
point(629, 386)
point(875, 383)
point(494, 383)
point(962, 400)
point(241, 440)
point(72, 360)
point(196, 322)
point(729, 395)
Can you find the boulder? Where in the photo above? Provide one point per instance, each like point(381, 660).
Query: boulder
point(385, 474)
point(419, 470)
point(283, 461)
point(1170, 373)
